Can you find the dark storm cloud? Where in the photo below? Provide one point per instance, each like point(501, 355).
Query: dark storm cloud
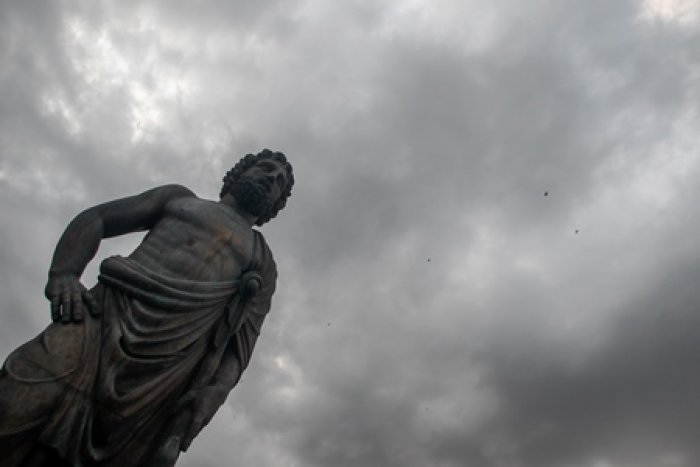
point(532, 119)
point(492, 130)
point(433, 308)
point(632, 403)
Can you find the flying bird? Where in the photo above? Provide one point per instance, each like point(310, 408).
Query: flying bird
point(546, 193)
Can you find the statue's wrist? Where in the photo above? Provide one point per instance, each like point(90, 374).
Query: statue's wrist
point(55, 272)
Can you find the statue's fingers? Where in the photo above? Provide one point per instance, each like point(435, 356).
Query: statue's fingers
point(65, 307)
point(91, 303)
point(77, 307)
point(55, 309)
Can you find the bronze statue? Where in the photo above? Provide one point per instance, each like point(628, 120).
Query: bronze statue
point(130, 371)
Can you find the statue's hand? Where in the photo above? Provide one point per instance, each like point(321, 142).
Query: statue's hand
point(68, 298)
point(204, 403)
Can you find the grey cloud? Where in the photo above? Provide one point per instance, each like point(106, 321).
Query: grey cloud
point(518, 343)
point(631, 403)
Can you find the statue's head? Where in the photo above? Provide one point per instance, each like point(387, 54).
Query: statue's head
point(261, 183)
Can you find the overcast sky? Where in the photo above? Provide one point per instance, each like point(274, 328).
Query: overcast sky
point(434, 307)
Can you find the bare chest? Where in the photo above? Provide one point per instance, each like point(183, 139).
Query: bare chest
point(198, 240)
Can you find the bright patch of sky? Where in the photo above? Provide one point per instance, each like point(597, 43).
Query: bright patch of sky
point(684, 12)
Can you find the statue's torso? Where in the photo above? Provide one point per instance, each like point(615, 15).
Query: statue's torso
point(198, 240)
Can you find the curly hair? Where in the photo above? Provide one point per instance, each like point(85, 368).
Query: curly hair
point(248, 161)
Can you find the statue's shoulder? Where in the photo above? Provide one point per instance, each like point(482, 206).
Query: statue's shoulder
point(174, 195)
point(174, 191)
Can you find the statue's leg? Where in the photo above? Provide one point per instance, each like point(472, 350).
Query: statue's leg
point(33, 380)
point(21, 448)
point(25, 407)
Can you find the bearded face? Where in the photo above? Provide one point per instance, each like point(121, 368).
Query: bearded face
point(252, 197)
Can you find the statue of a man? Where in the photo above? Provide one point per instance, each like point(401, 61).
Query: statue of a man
point(130, 371)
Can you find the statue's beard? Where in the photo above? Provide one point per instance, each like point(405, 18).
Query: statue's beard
point(252, 198)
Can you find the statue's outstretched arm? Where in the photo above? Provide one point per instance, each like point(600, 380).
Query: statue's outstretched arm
point(81, 239)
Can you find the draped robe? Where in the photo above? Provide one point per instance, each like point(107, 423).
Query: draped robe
point(104, 388)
